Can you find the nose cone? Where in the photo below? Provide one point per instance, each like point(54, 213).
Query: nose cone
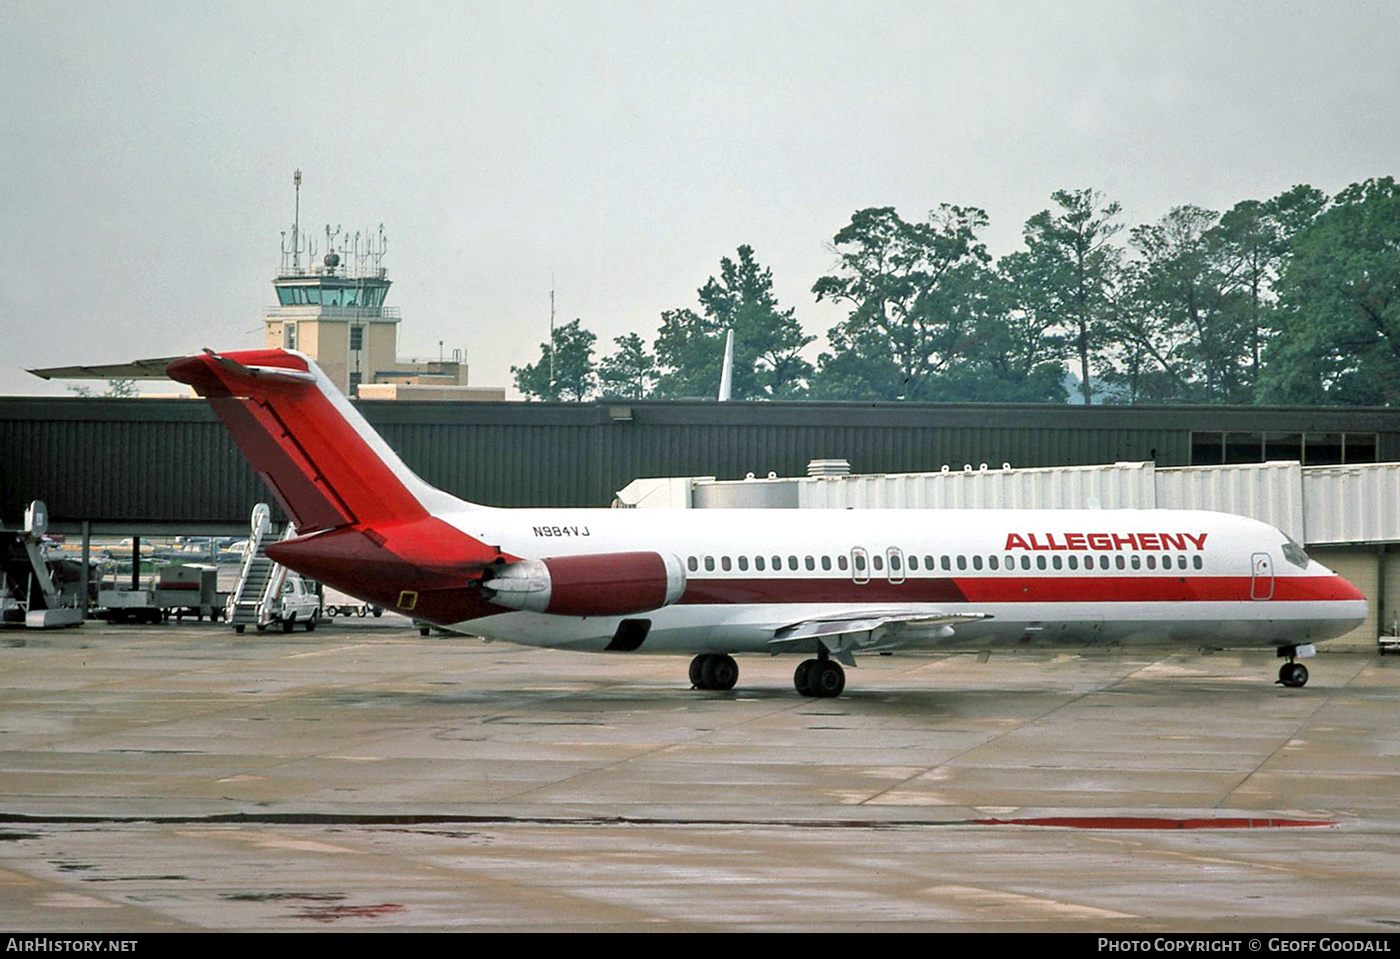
point(1346, 606)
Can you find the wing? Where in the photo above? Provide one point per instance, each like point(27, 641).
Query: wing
point(866, 630)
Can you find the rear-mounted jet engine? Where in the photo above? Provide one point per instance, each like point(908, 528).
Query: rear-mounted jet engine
point(604, 584)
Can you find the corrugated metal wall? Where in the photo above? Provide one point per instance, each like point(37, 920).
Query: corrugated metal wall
point(1269, 492)
point(158, 461)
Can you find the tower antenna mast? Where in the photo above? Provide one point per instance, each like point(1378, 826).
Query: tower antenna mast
point(296, 223)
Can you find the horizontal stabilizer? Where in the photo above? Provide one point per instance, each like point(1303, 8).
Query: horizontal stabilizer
point(149, 369)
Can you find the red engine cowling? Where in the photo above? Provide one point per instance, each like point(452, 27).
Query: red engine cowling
point(604, 584)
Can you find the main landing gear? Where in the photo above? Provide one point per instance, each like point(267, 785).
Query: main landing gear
point(820, 677)
point(1291, 674)
point(714, 671)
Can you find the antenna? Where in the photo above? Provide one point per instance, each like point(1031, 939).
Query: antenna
point(551, 332)
point(296, 223)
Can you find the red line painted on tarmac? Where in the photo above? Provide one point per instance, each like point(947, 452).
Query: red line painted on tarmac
point(1153, 822)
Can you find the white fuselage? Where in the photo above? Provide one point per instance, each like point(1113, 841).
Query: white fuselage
point(1040, 576)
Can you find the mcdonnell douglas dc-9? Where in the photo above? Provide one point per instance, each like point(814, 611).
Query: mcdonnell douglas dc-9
point(830, 584)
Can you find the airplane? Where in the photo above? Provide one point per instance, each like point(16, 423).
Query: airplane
point(828, 583)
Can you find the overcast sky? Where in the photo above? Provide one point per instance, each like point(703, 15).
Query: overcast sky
point(615, 150)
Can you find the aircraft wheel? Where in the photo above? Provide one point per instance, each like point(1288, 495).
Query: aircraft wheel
point(719, 671)
point(239, 628)
point(1293, 675)
point(802, 678)
point(827, 679)
point(697, 670)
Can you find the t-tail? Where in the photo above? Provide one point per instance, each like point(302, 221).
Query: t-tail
point(367, 524)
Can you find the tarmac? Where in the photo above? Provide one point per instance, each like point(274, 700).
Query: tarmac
point(182, 777)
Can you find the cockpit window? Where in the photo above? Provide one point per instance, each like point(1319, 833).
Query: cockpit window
point(1294, 553)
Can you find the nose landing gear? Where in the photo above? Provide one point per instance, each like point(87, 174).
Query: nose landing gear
point(1292, 674)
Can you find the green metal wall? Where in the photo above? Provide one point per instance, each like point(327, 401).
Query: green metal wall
point(147, 463)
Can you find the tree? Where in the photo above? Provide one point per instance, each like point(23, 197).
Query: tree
point(115, 388)
point(1184, 339)
point(629, 373)
point(913, 289)
point(1080, 267)
point(1338, 337)
point(1250, 244)
point(573, 376)
point(768, 340)
point(689, 351)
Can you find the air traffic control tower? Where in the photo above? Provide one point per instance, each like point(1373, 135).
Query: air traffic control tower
point(332, 309)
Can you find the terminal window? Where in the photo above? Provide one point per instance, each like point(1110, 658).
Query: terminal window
point(1213, 448)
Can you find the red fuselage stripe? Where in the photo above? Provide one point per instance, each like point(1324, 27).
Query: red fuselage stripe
point(1017, 589)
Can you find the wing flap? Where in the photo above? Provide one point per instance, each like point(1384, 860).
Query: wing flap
point(882, 628)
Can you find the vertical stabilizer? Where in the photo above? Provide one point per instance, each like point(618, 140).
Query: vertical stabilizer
point(325, 464)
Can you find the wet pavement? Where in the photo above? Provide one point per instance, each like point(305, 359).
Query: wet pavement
point(363, 776)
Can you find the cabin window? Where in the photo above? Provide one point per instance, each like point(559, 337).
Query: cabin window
point(1137, 562)
point(1121, 562)
point(826, 562)
point(1196, 561)
point(993, 562)
point(743, 562)
point(810, 563)
point(710, 563)
point(692, 564)
point(1040, 562)
point(758, 563)
point(1166, 562)
point(976, 562)
point(1025, 562)
point(724, 563)
point(841, 562)
point(894, 562)
point(1151, 561)
point(860, 562)
point(913, 563)
point(1059, 562)
point(1103, 562)
point(877, 561)
point(947, 563)
point(962, 562)
point(1073, 562)
point(777, 563)
point(1181, 562)
point(928, 562)
point(792, 562)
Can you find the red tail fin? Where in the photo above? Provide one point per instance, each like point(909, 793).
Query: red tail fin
point(324, 463)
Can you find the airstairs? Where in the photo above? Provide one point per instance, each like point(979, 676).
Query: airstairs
point(258, 600)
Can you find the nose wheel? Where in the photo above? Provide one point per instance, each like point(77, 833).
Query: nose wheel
point(1293, 675)
point(714, 671)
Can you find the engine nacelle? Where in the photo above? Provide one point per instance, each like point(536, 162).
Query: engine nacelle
point(604, 584)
